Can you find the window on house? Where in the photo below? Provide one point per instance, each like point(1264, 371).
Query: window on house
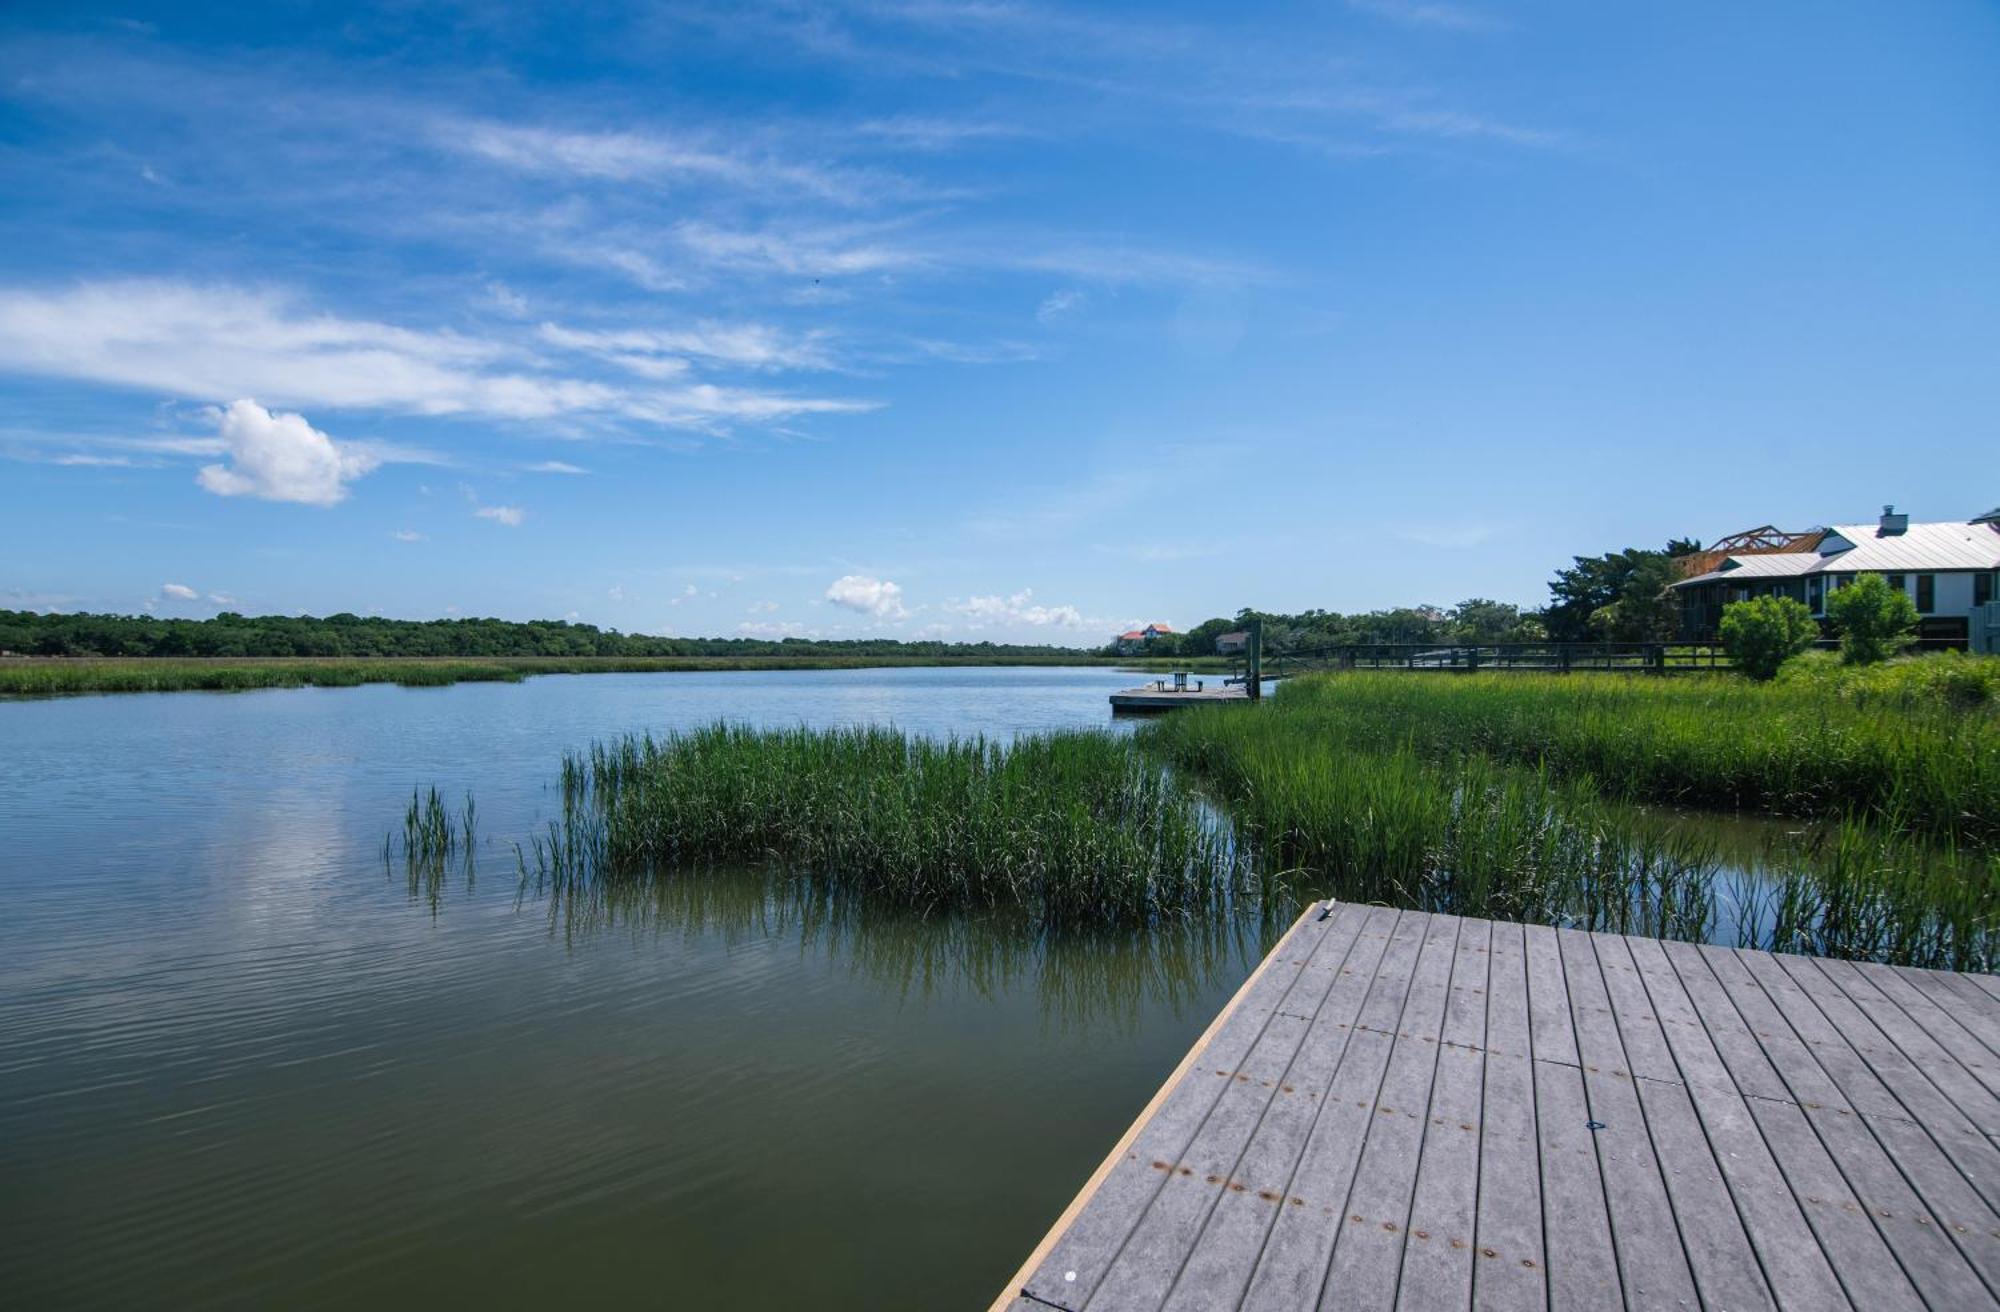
point(1982, 589)
point(1816, 594)
point(1895, 582)
point(1926, 593)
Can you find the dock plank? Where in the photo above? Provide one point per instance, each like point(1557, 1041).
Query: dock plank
point(1655, 1273)
point(1406, 1110)
point(1915, 1098)
point(1367, 1259)
point(1754, 1204)
point(1898, 1175)
point(1081, 1250)
point(1219, 1265)
point(1437, 1256)
point(1509, 1269)
point(1941, 1064)
point(1154, 1252)
point(1291, 1271)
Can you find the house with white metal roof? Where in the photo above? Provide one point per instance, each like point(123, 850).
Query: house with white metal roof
point(1951, 570)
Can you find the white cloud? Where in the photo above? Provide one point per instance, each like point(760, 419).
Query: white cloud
point(617, 593)
point(1058, 304)
point(221, 599)
point(511, 516)
point(554, 467)
point(688, 593)
point(750, 345)
point(774, 629)
point(407, 535)
point(280, 457)
point(634, 156)
point(800, 251)
point(1020, 608)
point(207, 343)
point(178, 591)
point(506, 299)
point(870, 596)
point(763, 608)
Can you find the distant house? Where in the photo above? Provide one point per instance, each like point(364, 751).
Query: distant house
point(1232, 644)
point(1139, 640)
point(1951, 570)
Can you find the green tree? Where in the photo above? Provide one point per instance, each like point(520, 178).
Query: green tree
point(1874, 620)
point(1621, 595)
point(1764, 632)
point(1477, 619)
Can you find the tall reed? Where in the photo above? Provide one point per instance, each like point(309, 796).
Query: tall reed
point(1064, 829)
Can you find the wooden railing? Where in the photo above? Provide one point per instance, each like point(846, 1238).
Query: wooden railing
point(1541, 657)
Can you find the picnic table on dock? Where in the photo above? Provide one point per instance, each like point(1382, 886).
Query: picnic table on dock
point(1406, 1110)
point(1177, 690)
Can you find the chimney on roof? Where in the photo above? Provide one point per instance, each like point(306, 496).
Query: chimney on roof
point(1893, 524)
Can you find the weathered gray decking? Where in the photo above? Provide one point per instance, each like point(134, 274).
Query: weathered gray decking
point(1154, 698)
point(1410, 1111)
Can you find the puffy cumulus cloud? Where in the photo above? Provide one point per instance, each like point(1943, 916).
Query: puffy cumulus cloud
point(1020, 608)
point(511, 516)
point(281, 457)
point(177, 591)
point(870, 596)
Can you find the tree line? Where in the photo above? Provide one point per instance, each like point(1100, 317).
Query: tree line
point(28, 633)
point(1620, 596)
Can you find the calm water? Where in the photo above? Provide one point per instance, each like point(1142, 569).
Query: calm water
point(240, 1064)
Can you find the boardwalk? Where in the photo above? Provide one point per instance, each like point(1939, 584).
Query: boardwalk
point(1402, 1110)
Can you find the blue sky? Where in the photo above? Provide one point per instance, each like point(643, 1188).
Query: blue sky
point(978, 319)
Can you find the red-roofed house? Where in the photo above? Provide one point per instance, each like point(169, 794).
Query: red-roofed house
point(1139, 640)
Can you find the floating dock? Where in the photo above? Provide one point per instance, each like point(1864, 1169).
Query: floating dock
point(1165, 697)
point(1401, 1110)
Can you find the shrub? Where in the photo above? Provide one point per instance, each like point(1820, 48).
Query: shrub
point(1947, 679)
point(1874, 620)
point(1763, 633)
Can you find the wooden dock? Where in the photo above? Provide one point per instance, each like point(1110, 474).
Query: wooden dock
point(1401, 1110)
point(1155, 697)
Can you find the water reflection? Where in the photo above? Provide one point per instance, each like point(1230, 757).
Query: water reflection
point(1100, 978)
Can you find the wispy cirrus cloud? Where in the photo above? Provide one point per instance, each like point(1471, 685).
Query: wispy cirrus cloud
point(213, 343)
point(1428, 13)
point(632, 156)
point(745, 345)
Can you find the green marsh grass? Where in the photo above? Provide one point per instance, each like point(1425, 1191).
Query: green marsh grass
point(1423, 791)
point(1061, 830)
point(1904, 760)
point(432, 837)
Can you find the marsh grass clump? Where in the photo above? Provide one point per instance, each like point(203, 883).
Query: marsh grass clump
point(432, 837)
point(1064, 829)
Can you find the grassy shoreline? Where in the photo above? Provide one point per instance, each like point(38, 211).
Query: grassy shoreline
point(1926, 764)
point(83, 675)
point(1416, 792)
